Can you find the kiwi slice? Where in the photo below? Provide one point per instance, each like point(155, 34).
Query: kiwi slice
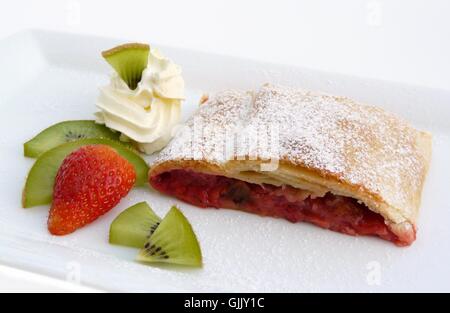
point(134, 226)
point(174, 242)
point(66, 132)
point(129, 61)
point(41, 178)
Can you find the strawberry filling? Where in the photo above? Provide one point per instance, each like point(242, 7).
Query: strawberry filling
point(337, 213)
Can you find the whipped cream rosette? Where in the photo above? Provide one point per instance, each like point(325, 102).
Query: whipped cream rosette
point(148, 114)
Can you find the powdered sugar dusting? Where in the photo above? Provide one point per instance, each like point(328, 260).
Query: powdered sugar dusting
point(361, 145)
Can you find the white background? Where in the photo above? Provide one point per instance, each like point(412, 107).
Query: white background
point(396, 40)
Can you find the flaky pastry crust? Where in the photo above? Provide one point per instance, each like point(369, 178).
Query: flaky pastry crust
point(316, 142)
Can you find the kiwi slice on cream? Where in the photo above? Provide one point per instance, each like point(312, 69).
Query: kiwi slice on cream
point(129, 61)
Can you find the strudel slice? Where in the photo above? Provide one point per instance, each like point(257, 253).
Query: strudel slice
point(301, 156)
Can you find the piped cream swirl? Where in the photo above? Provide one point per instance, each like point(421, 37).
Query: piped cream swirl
point(148, 114)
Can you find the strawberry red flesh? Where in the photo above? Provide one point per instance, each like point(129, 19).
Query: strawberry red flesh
point(90, 182)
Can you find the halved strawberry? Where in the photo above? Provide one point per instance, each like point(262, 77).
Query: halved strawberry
point(90, 182)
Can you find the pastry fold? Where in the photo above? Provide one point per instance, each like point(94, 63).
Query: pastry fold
point(303, 156)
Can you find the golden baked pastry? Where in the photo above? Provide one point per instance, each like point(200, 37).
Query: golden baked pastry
point(302, 156)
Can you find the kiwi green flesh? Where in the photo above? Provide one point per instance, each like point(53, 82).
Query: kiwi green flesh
point(41, 178)
point(66, 132)
point(129, 61)
point(134, 226)
point(174, 241)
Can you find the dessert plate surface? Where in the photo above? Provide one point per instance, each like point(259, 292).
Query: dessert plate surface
point(51, 77)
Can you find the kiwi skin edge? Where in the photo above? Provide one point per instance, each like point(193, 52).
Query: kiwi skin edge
point(133, 45)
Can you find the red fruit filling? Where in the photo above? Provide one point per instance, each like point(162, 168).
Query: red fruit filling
point(337, 213)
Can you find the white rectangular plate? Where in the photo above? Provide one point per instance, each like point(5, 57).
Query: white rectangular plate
point(51, 77)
